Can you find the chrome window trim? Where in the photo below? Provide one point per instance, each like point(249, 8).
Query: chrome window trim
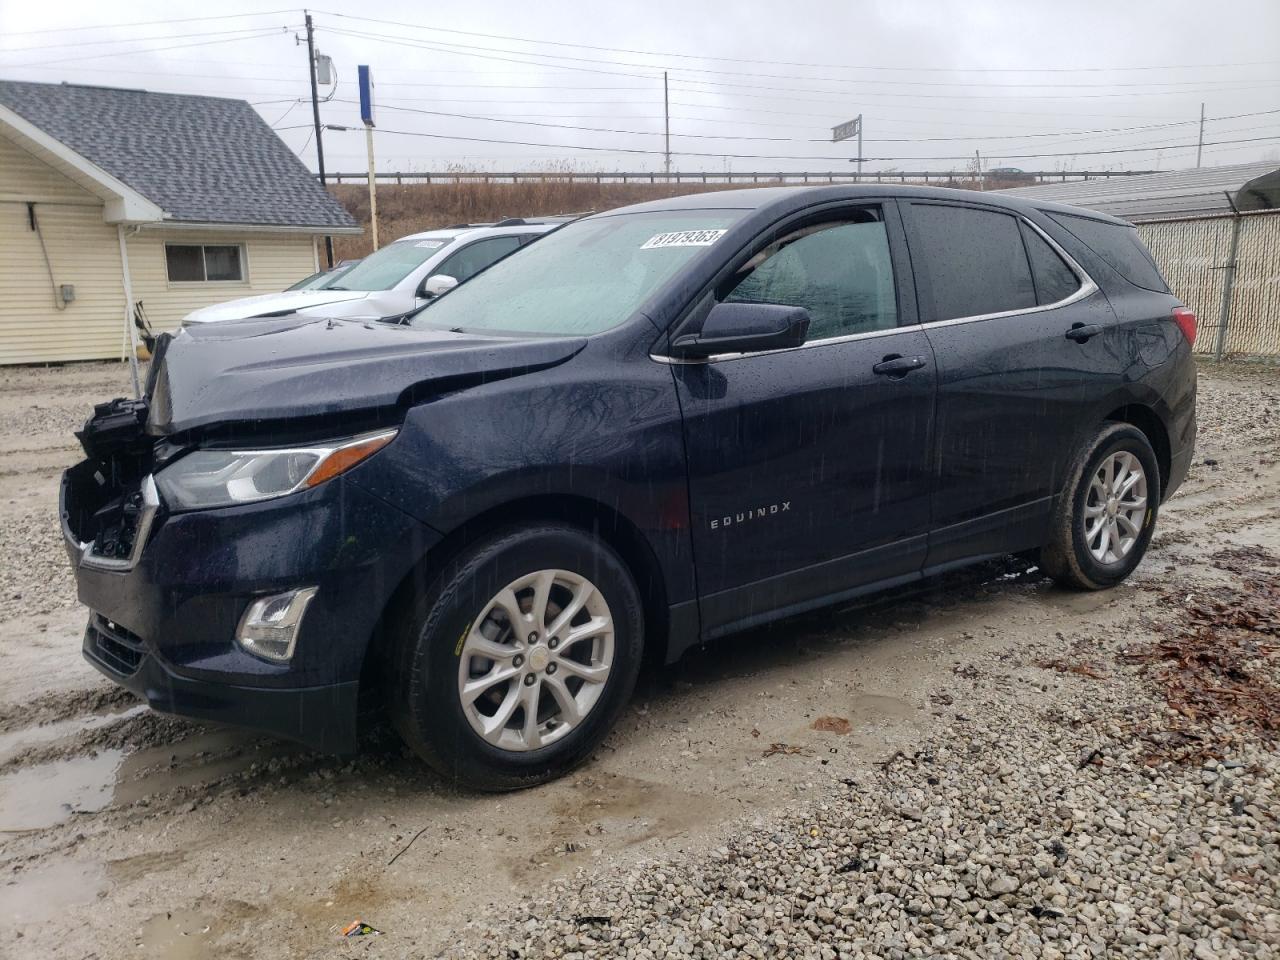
point(718, 357)
point(1086, 289)
point(150, 504)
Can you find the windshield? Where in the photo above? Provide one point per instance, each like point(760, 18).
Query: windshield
point(384, 269)
point(322, 279)
point(584, 278)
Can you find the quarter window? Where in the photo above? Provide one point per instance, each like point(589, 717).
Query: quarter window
point(1054, 280)
point(198, 263)
point(840, 272)
point(1118, 244)
point(974, 259)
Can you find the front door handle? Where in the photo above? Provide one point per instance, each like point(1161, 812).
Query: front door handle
point(897, 366)
point(1081, 332)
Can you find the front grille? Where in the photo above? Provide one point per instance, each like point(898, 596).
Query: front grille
point(114, 646)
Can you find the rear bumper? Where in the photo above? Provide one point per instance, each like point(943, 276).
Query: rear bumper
point(1179, 465)
point(323, 718)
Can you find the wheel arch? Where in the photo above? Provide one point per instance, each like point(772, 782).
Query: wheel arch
point(591, 516)
point(1149, 422)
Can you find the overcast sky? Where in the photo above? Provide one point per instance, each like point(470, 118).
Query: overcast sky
point(753, 86)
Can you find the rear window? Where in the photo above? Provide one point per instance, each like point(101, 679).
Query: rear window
point(1119, 247)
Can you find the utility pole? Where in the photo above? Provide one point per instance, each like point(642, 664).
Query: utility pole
point(859, 148)
point(1200, 142)
point(666, 122)
point(315, 116)
point(977, 166)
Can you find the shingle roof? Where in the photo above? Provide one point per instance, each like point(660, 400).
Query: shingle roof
point(1165, 196)
point(201, 159)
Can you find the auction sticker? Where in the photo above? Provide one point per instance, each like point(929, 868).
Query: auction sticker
point(683, 238)
point(430, 244)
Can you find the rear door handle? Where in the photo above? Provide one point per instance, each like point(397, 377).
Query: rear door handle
point(1080, 332)
point(897, 366)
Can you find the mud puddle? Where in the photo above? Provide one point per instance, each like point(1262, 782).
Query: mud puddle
point(34, 798)
point(41, 795)
point(44, 893)
point(16, 742)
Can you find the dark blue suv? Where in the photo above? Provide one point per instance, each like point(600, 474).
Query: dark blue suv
point(652, 428)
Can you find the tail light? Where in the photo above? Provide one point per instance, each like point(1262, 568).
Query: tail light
point(1185, 318)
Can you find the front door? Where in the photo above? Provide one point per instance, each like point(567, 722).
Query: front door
point(809, 468)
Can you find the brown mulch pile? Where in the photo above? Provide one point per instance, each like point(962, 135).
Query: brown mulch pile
point(1218, 660)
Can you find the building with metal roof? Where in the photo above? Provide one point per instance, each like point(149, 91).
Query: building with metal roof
point(1215, 234)
point(1205, 192)
point(117, 201)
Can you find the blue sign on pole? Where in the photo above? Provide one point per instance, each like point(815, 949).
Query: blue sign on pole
point(366, 95)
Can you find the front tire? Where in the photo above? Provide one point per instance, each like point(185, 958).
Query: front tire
point(514, 665)
point(1104, 520)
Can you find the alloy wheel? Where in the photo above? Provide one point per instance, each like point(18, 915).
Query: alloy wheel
point(1115, 507)
point(535, 661)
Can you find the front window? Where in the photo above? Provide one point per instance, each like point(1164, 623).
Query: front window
point(584, 278)
point(386, 268)
point(201, 263)
point(839, 271)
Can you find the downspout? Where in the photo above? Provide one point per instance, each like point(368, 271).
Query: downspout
point(1228, 279)
point(128, 311)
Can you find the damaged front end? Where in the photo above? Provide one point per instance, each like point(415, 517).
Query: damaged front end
point(108, 500)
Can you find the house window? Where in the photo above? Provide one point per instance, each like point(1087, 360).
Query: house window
point(198, 263)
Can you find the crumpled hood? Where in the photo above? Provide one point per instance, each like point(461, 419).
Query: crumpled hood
point(295, 367)
point(270, 304)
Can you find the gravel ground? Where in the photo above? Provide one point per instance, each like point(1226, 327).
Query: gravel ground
point(987, 767)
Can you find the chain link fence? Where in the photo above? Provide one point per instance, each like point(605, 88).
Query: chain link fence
point(1196, 258)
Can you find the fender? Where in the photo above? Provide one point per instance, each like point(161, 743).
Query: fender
point(566, 431)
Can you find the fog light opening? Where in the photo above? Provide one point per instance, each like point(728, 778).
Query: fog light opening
point(269, 628)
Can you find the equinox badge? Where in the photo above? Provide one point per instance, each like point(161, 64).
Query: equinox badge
point(756, 513)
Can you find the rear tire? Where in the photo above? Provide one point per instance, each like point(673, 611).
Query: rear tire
point(1105, 518)
point(483, 691)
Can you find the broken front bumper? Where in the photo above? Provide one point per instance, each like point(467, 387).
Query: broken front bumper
point(164, 617)
point(323, 718)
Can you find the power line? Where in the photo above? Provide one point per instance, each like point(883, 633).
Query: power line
point(711, 136)
point(826, 159)
point(93, 43)
point(785, 63)
point(470, 51)
point(148, 23)
point(181, 46)
point(843, 97)
point(422, 45)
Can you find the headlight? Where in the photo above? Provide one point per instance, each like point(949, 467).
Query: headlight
point(219, 478)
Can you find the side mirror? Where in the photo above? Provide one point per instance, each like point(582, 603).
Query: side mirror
point(745, 328)
point(437, 284)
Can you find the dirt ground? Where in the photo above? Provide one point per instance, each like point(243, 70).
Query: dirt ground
point(127, 833)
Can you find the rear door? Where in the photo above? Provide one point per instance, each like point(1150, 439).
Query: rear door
point(1023, 343)
point(809, 468)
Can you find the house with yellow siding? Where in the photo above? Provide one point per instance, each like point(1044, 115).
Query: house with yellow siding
point(117, 202)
